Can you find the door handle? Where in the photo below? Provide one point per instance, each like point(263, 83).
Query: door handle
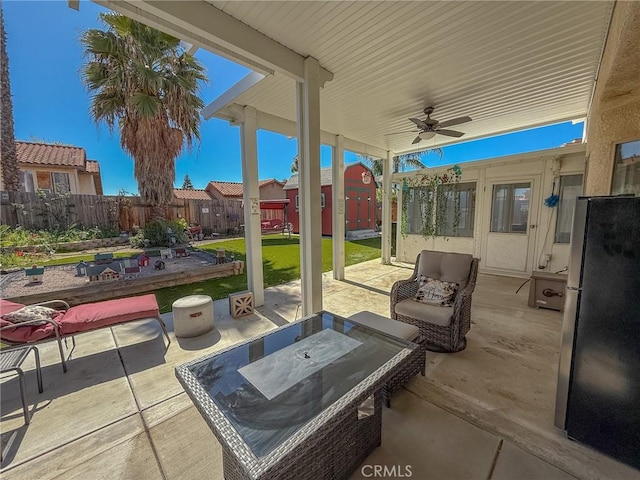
point(532, 226)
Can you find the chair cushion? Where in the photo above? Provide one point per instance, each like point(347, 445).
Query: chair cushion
point(436, 292)
point(387, 325)
point(445, 266)
point(426, 313)
point(21, 333)
point(92, 316)
point(7, 307)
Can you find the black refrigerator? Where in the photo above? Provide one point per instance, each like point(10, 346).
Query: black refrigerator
point(598, 394)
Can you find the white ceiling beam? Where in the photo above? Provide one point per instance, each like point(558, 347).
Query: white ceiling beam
point(206, 21)
point(276, 124)
point(228, 97)
point(132, 11)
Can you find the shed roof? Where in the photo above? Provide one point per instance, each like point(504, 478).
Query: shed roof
point(326, 177)
point(191, 194)
point(235, 189)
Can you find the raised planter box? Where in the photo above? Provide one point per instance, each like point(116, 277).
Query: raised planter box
point(74, 246)
point(125, 288)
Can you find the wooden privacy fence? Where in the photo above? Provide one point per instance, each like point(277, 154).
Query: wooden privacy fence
point(39, 211)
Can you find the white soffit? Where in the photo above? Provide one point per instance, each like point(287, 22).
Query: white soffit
point(508, 65)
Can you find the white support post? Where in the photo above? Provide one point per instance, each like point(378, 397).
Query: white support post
point(338, 205)
point(386, 209)
point(308, 103)
point(251, 197)
point(399, 239)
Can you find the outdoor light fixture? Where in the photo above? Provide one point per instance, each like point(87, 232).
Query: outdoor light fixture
point(426, 135)
point(366, 177)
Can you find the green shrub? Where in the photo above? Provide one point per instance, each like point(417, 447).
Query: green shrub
point(158, 233)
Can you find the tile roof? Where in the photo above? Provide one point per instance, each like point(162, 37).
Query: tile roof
point(194, 194)
point(93, 166)
point(235, 189)
point(47, 154)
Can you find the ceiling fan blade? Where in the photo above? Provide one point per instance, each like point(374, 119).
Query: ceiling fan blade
point(399, 133)
point(418, 122)
point(454, 121)
point(450, 133)
point(418, 139)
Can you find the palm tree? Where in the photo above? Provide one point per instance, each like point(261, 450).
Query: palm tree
point(144, 83)
point(8, 156)
point(400, 162)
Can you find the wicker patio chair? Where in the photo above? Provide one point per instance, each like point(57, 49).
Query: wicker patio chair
point(444, 328)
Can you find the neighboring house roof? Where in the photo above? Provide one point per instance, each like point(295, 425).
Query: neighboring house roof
point(234, 189)
point(93, 166)
point(326, 176)
point(53, 155)
point(191, 194)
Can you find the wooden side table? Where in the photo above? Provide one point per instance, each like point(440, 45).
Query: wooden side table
point(11, 360)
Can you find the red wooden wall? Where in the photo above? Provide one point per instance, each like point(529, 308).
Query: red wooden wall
point(360, 203)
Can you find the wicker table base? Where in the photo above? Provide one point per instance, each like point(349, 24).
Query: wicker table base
point(336, 452)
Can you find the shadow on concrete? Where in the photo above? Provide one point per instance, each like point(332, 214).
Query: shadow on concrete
point(200, 342)
point(366, 287)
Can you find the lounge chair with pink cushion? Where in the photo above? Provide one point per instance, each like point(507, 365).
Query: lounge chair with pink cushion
point(71, 321)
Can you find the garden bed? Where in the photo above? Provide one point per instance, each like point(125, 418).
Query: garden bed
point(61, 282)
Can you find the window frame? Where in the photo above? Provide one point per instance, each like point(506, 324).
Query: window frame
point(566, 235)
point(471, 189)
point(510, 207)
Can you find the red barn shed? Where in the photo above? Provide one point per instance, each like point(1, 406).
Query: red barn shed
point(360, 199)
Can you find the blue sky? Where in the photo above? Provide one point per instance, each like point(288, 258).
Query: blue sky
point(50, 103)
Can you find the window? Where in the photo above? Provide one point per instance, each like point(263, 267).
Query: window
point(44, 181)
point(420, 202)
point(626, 169)
point(322, 201)
point(510, 208)
point(570, 188)
point(60, 182)
point(26, 181)
point(423, 205)
point(457, 198)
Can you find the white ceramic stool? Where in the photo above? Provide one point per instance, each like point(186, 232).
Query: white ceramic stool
point(192, 315)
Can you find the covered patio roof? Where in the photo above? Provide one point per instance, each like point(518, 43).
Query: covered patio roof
point(507, 65)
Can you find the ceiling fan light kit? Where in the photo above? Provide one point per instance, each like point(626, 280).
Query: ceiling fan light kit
point(430, 127)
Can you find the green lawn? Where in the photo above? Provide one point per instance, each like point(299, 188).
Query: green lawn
point(281, 263)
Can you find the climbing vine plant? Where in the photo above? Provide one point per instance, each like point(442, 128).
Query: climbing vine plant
point(432, 191)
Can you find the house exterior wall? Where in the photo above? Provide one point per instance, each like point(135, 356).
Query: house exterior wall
point(86, 185)
point(538, 165)
point(272, 191)
point(615, 112)
point(74, 184)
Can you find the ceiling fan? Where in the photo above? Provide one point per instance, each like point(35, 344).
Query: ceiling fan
point(430, 127)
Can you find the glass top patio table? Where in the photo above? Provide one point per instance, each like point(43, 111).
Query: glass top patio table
point(273, 390)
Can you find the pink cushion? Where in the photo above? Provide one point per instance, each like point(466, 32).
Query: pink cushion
point(92, 316)
point(7, 307)
point(22, 333)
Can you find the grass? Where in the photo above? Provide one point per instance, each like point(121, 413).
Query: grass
point(281, 264)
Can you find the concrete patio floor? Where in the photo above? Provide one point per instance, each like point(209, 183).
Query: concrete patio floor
point(484, 413)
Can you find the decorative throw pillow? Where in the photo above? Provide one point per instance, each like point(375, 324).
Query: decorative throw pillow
point(436, 292)
point(31, 312)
